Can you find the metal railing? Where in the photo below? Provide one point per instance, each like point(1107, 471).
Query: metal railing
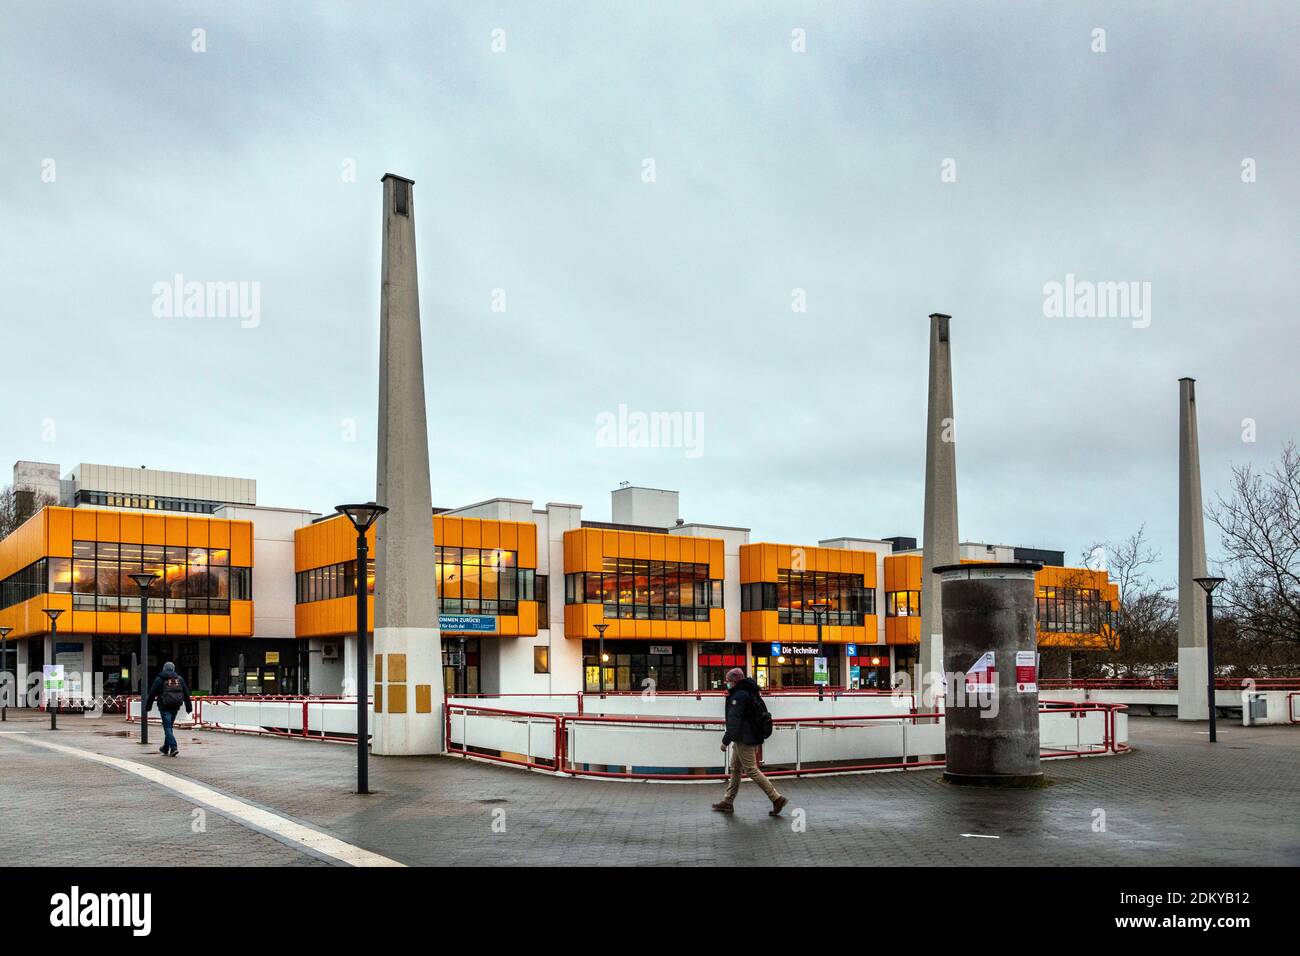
point(557, 742)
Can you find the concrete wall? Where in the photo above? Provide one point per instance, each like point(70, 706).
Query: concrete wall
point(171, 484)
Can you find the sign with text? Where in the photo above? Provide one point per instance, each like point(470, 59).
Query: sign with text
point(1027, 671)
point(53, 677)
point(664, 650)
point(478, 623)
point(794, 650)
point(821, 671)
point(982, 678)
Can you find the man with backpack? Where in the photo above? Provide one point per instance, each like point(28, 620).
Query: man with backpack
point(748, 725)
point(170, 691)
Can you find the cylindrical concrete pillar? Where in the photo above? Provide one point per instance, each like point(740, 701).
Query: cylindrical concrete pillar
point(990, 647)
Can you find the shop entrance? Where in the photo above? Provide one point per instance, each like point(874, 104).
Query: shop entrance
point(635, 665)
point(793, 667)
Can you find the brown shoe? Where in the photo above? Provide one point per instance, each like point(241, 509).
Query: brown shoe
point(777, 806)
point(724, 807)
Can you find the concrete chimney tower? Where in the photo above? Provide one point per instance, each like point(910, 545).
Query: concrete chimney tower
point(1193, 668)
point(939, 533)
point(408, 648)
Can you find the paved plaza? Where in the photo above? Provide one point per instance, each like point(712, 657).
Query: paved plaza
point(1177, 800)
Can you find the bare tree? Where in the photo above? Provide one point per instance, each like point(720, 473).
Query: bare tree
point(1259, 525)
point(17, 505)
point(1142, 635)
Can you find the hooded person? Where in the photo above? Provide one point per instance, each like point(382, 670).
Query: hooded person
point(742, 734)
point(170, 691)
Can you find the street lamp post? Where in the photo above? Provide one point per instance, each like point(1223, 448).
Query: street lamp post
point(53, 614)
point(600, 656)
point(144, 582)
point(4, 669)
point(1209, 584)
point(362, 517)
point(819, 613)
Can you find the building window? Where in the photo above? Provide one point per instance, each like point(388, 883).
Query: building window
point(541, 660)
point(33, 581)
point(190, 580)
point(795, 592)
point(543, 601)
point(483, 581)
point(647, 590)
point(1072, 610)
point(902, 603)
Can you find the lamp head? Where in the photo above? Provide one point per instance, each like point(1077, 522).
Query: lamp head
point(144, 581)
point(820, 608)
point(600, 628)
point(53, 613)
point(4, 632)
point(1209, 583)
point(362, 516)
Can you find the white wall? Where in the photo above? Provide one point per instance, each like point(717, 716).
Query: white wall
point(274, 582)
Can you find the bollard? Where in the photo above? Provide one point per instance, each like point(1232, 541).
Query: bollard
point(990, 646)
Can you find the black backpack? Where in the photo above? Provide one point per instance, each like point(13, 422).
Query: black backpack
point(760, 718)
point(173, 693)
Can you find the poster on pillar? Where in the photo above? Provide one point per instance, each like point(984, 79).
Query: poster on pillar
point(1027, 672)
point(982, 678)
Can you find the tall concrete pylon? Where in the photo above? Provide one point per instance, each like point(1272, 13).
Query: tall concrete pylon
point(408, 648)
point(939, 541)
point(1193, 667)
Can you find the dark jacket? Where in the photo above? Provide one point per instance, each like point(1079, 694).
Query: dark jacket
point(155, 692)
point(740, 724)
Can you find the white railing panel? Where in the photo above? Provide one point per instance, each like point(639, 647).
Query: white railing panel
point(641, 745)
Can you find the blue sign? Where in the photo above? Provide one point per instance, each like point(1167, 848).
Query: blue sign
point(853, 650)
point(467, 622)
point(776, 649)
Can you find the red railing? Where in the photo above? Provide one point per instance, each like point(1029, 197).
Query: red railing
point(199, 721)
point(1168, 683)
point(562, 724)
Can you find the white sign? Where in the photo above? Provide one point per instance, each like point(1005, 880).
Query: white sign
point(664, 650)
point(53, 677)
point(821, 671)
point(982, 678)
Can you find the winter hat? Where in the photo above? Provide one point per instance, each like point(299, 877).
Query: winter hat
point(736, 674)
point(169, 666)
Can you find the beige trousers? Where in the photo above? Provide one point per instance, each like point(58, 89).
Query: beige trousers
point(744, 760)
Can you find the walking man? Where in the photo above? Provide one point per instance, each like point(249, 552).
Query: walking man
point(746, 717)
point(170, 691)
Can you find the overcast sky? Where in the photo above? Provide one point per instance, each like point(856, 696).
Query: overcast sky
point(775, 169)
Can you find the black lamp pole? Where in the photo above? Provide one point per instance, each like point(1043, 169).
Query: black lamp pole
point(362, 517)
point(819, 612)
point(53, 614)
point(600, 656)
point(13, 679)
point(144, 582)
point(1209, 584)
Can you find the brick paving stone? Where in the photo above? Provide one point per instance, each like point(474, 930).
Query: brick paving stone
point(1178, 800)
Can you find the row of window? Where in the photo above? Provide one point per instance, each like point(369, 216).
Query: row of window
point(98, 576)
point(1072, 610)
point(469, 581)
point(794, 593)
point(630, 588)
point(22, 585)
point(108, 499)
